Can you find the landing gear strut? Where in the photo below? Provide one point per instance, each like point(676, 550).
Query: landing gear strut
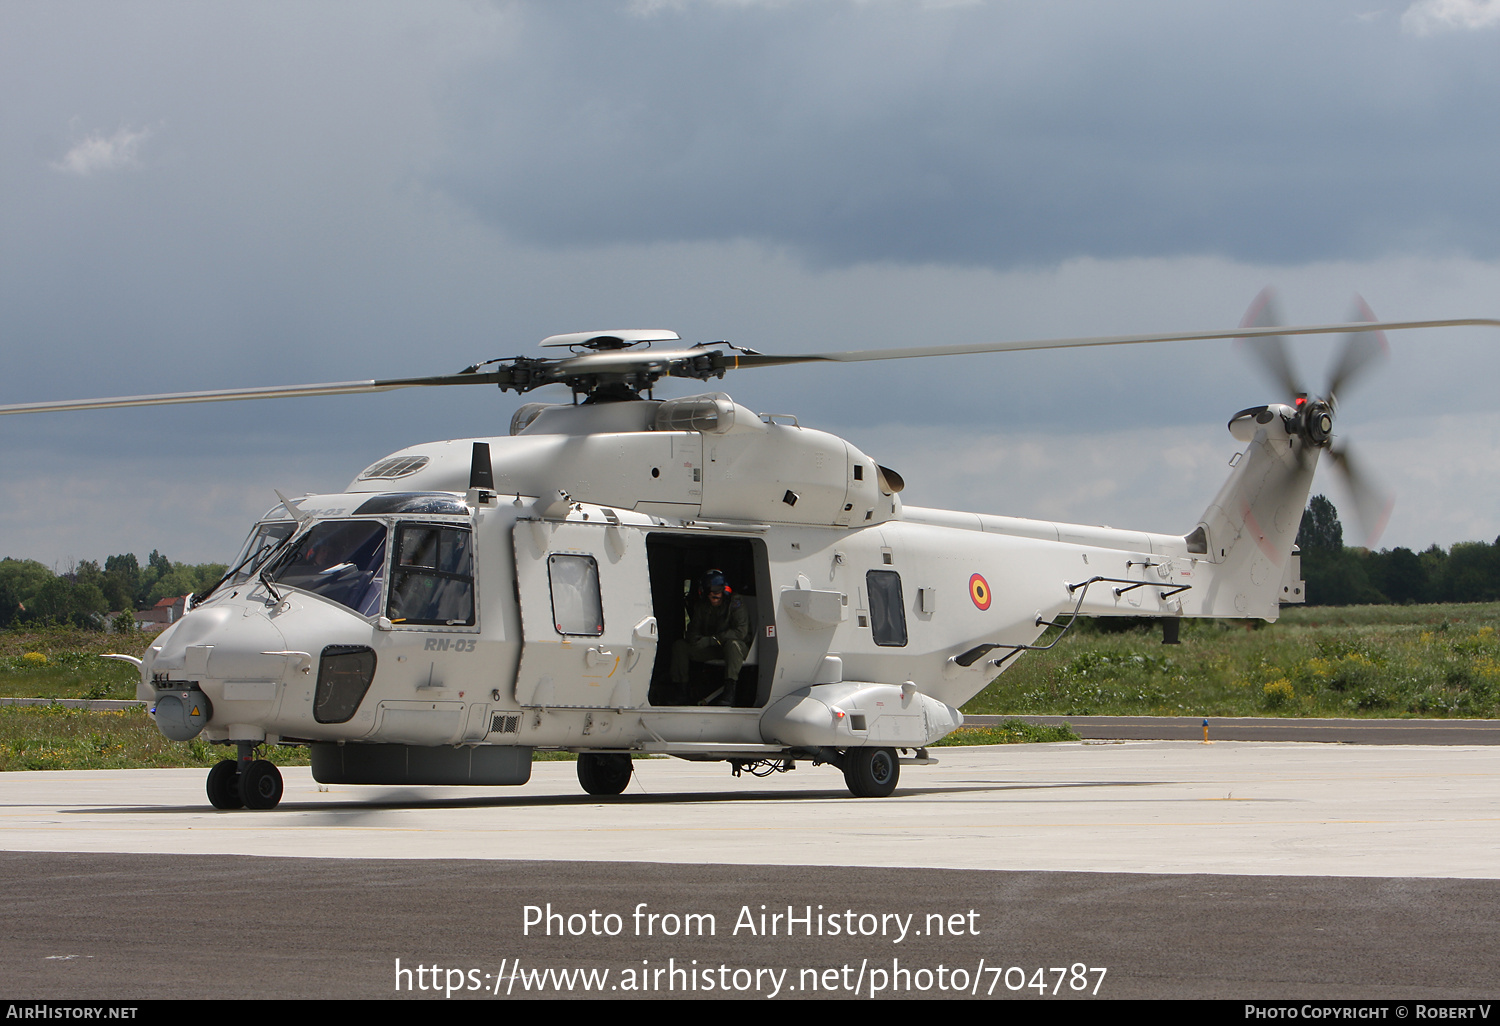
point(246, 782)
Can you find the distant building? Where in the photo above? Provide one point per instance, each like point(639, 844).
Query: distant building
point(166, 612)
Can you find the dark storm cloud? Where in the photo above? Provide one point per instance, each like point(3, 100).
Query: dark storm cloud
point(212, 196)
point(1001, 134)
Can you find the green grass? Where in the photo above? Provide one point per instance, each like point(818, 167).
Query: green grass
point(51, 737)
point(69, 665)
point(1011, 732)
point(1376, 661)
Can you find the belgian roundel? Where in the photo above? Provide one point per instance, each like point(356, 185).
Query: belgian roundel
point(979, 591)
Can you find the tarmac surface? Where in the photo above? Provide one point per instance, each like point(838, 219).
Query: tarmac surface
point(1227, 870)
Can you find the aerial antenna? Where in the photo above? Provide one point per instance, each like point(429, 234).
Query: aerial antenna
point(481, 470)
point(296, 513)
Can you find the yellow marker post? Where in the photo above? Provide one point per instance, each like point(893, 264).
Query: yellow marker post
point(1205, 732)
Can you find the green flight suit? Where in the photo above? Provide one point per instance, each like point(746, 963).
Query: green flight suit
point(714, 632)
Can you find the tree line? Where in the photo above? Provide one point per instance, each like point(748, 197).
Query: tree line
point(31, 593)
point(1338, 575)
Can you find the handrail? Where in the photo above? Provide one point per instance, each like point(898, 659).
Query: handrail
point(978, 652)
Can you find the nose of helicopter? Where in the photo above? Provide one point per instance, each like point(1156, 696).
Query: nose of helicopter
point(239, 670)
point(222, 641)
point(230, 654)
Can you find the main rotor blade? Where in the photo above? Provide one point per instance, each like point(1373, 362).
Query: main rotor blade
point(526, 372)
point(1360, 350)
point(272, 392)
point(967, 349)
point(1270, 350)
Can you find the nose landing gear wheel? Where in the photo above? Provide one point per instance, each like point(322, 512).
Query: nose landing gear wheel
point(607, 773)
point(260, 785)
point(224, 785)
point(871, 772)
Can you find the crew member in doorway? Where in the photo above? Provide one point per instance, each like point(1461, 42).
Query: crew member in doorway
point(718, 628)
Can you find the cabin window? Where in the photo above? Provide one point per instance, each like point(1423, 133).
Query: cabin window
point(432, 576)
point(577, 607)
point(341, 560)
point(887, 611)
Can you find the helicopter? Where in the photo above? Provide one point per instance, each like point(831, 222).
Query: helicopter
point(463, 603)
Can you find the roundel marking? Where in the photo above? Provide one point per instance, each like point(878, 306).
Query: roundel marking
point(979, 591)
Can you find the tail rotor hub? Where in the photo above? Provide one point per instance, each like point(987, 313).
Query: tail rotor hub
point(1317, 422)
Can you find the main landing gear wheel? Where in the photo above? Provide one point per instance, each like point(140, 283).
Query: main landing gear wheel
point(224, 785)
point(260, 785)
point(604, 773)
point(871, 772)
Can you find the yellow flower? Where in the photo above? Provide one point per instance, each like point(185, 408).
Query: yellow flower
point(1279, 692)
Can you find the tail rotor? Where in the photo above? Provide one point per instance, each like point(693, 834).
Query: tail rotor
point(1360, 350)
point(1315, 415)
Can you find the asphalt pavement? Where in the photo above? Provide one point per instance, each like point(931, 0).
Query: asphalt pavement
point(1088, 870)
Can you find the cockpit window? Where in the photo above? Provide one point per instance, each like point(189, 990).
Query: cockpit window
point(432, 576)
point(343, 561)
point(261, 543)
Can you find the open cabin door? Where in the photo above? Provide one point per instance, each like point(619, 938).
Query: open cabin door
point(588, 632)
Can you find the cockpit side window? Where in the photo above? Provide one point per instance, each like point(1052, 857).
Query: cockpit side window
point(432, 576)
point(341, 560)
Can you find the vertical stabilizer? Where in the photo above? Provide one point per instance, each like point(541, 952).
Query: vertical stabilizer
point(1248, 531)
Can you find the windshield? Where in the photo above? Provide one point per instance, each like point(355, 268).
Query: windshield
point(343, 561)
point(261, 543)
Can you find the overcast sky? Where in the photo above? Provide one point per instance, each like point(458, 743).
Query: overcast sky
point(200, 196)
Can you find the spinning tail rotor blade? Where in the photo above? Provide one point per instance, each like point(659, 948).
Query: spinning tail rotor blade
point(1313, 421)
point(1372, 500)
point(1360, 350)
point(1270, 350)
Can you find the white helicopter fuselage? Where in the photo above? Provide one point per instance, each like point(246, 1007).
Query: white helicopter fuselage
point(463, 625)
